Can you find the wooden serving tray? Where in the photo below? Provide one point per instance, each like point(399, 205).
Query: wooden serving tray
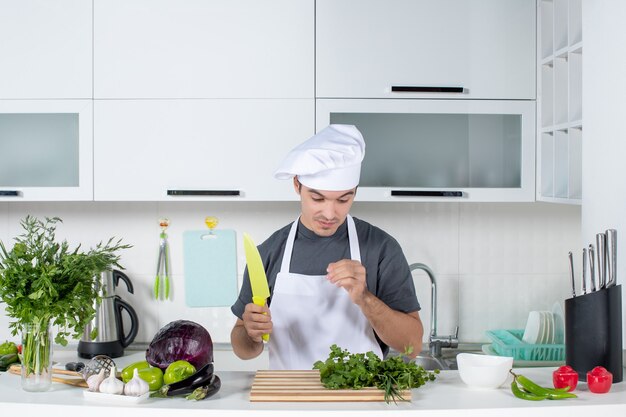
point(302, 386)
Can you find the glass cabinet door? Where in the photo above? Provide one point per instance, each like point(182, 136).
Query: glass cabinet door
point(478, 150)
point(45, 150)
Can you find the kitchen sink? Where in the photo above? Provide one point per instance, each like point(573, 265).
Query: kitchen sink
point(429, 363)
point(447, 361)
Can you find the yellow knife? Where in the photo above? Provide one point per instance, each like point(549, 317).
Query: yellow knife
point(256, 272)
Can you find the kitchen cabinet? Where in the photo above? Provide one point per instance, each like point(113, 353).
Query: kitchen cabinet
point(441, 150)
point(203, 49)
point(486, 49)
point(46, 150)
point(560, 112)
point(46, 49)
point(190, 150)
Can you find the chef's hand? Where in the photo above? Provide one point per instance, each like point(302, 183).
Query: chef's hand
point(257, 321)
point(349, 275)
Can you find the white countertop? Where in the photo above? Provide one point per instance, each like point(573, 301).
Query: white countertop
point(446, 396)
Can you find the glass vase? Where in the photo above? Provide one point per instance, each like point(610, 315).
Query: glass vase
point(36, 357)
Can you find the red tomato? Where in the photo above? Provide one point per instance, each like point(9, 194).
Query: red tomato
point(565, 376)
point(599, 380)
point(19, 349)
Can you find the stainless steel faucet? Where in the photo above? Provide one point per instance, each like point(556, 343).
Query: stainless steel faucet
point(436, 342)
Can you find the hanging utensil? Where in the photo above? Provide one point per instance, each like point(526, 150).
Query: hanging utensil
point(611, 260)
point(592, 269)
point(571, 272)
point(162, 280)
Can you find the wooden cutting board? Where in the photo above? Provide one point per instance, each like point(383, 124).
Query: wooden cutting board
point(300, 386)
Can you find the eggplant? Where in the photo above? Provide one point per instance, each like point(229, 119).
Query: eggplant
point(201, 378)
point(207, 390)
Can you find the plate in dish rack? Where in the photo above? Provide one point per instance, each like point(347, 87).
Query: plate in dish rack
point(114, 398)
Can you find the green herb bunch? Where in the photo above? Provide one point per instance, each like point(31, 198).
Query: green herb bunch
point(43, 282)
point(344, 370)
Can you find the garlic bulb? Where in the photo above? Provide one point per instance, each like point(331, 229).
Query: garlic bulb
point(112, 385)
point(94, 381)
point(136, 387)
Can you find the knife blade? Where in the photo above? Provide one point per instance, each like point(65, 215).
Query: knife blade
point(571, 272)
point(584, 274)
point(256, 272)
point(601, 254)
point(592, 269)
point(611, 259)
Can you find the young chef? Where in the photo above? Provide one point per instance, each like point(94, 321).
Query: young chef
point(334, 279)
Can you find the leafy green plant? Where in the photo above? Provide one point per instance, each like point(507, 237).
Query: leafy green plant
point(344, 370)
point(43, 282)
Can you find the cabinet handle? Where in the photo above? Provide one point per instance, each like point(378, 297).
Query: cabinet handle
point(406, 193)
point(10, 193)
point(424, 89)
point(215, 193)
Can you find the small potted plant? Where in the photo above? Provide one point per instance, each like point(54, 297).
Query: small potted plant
point(44, 283)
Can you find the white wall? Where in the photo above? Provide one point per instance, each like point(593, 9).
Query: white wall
point(494, 262)
point(604, 112)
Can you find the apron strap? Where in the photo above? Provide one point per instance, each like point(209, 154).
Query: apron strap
point(286, 263)
point(353, 239)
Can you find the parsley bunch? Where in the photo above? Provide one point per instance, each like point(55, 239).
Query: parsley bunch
point(43, 282)
point(343, 370)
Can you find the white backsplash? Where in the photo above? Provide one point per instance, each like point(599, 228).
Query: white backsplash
point(494, 261)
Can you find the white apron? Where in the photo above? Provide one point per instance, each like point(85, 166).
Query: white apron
point(309, 314)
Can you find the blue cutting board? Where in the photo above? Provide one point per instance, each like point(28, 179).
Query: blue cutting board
point(210, 268)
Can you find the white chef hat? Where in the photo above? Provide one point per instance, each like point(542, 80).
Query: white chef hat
point(330, 160)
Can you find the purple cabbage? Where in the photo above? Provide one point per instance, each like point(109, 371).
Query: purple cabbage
point(180, 340)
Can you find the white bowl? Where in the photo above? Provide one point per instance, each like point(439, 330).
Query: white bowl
point(483, 371)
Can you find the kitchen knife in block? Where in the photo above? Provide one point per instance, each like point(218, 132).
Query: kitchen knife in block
point(256, 272)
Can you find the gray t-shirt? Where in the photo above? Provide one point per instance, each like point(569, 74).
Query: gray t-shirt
point(388, 275)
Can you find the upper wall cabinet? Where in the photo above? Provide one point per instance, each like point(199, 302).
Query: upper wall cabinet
point(203, 48)
point(45, 49)
point(441, 150)
point(46, 150)
point(190, 150)
point(483, 49)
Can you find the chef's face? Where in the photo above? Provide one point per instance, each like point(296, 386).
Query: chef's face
point(323, 211)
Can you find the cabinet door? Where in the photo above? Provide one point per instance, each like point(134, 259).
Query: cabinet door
point(220, 150)
point(203, 48)
point(485, 47)
point(441, 150)
point(45, 49)
point(46, 150)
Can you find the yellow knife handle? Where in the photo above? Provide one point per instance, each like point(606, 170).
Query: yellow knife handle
point(260, 301)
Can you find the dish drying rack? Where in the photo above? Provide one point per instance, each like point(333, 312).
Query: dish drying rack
point(510, 343)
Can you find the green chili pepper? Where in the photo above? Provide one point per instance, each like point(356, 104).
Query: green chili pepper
point(550, 393)
point(525, 395)
point(534, 392)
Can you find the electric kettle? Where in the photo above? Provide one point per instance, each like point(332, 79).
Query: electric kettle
point(107, 324)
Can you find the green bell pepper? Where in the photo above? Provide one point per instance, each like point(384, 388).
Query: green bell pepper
point(153, 376)
point(8, 348)
point(127, 373)
point(177, 371)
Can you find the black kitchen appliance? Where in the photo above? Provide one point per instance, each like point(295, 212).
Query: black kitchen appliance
point(110, 338)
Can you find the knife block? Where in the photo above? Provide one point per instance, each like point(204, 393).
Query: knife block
point(593, 332)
